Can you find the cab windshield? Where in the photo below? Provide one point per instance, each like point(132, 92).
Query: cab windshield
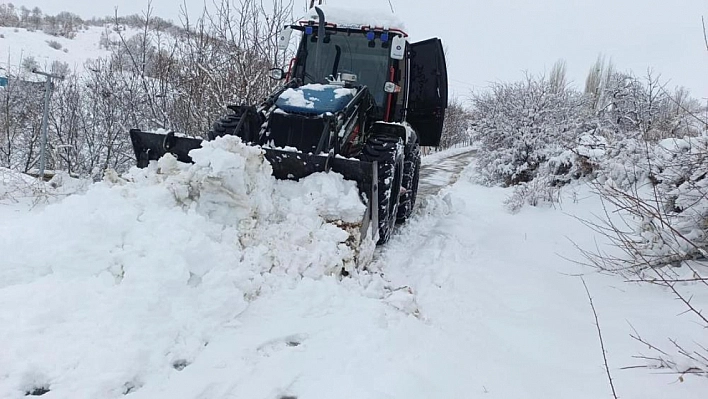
point(350, 53)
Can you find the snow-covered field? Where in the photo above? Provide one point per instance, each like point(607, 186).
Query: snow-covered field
point(215, 281)
point(18, 44)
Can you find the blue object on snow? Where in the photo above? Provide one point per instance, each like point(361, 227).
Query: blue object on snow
point(3, 81)
point(315, 100)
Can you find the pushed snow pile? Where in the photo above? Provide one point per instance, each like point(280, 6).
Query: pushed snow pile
point(128, 282)
point(15, 185)
point(20, 187)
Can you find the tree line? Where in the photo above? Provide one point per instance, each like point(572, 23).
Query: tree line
point(157, 77)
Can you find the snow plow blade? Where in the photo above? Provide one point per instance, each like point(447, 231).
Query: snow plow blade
point(287, 165)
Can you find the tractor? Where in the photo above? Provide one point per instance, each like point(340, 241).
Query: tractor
point(357, 99)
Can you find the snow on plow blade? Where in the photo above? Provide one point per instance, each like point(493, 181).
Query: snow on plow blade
point(287, 165)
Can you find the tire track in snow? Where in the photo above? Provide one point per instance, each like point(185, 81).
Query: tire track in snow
point(433, 177)
point(436, 176)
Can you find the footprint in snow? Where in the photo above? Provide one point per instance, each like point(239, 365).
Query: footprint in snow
point(276, 345)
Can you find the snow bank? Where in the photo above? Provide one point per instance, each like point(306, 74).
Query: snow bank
point(130, 281)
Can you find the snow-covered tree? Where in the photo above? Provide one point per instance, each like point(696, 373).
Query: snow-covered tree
point(8, 15)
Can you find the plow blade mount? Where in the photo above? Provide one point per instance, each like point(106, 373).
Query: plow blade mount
point(152, 146)
point(287, 165)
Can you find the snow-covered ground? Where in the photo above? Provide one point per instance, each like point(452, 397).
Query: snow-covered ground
point(215, 281)
point(17, 44)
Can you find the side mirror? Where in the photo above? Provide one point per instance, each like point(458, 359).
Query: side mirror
point(276, 74)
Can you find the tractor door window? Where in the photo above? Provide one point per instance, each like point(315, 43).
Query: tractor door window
point(348, 53)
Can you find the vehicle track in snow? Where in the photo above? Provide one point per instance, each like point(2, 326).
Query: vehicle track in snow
point(434, 176)
point(442, 173)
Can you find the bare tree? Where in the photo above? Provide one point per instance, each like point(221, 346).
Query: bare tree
point(705, 35)
point(456, 126)
point(558, 77)
point(597, 83)
point(20, 116)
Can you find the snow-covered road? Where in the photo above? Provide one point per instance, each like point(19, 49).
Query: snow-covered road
point(437, 173)
point(137, 295)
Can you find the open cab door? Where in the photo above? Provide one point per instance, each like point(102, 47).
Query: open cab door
point(427, 94)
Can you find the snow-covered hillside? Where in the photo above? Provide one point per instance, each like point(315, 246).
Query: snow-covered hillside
point(17, 44)
point(215, 281)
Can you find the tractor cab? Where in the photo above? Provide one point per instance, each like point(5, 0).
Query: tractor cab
point(406, 82)
point(360, 58)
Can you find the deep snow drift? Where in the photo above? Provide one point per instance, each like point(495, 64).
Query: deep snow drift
point(155, 264)
point(198, 282)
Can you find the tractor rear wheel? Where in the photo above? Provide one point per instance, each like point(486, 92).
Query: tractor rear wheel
point(411, 175)
point(387, 150)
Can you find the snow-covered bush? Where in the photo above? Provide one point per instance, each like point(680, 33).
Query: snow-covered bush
point(622, 163)
point(29, 63)
point(54, 44)
point(660, 225)
point(663, 189)
point(16, 187)
point(535, 192)
point(626, 106)
point(538, 129)
point(523, 125)
point(655, 186)
point(676, 228)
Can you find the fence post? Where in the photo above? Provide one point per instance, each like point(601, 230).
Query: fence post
point(45, 117)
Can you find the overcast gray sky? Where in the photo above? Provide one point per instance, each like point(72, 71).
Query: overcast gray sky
point(496, 40)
